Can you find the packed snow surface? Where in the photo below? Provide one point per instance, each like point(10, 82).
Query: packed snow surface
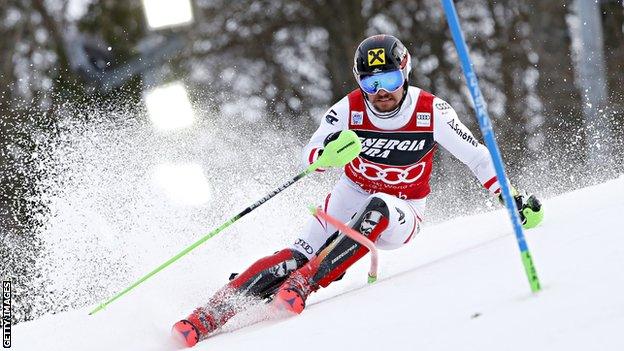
point(459, 285)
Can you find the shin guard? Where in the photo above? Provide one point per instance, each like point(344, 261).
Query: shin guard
point(341, 252)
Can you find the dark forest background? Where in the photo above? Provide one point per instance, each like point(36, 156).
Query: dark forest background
point(291, 60)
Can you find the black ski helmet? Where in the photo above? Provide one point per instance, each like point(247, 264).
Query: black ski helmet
point(381, 53)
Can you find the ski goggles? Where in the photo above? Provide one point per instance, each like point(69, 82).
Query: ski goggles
point(388, 81)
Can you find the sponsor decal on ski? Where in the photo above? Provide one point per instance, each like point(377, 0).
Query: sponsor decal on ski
point(357, 118)
point(254, 282)
point(423, 119)
point(353, 247)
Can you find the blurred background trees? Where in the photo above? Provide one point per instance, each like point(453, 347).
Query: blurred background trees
point(285, 62)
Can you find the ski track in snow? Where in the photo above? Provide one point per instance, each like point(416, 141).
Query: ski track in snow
point(459, 285)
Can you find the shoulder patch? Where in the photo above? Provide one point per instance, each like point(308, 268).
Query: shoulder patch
point(423, 119)
point(331, 117)
point(357, 118)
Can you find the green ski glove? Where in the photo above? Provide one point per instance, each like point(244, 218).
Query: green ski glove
point(340, 149)
point(529, 207)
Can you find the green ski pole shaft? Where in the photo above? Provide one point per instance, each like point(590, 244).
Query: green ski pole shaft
point(207, 236)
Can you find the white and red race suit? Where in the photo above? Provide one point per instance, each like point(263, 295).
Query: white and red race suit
point(396, 159)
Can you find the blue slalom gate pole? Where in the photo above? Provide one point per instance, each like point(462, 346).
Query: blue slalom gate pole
point(490, 141)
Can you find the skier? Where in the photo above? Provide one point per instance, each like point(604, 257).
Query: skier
point(382, 193)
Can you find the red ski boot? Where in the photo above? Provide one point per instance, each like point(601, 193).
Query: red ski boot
point(197, 326)
point(185, 333)
point(292, 294)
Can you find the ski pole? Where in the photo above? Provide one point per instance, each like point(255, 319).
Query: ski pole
point(336, 154)
point(490, 141)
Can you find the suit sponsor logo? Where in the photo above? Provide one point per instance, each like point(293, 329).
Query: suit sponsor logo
point(423, 119)
point(395, 148)
point(442, 106)
point(357, 118)
point(376, 57)
point(388, 175)
point(304, 245)
point(331, 117)
point(463, 133)
point(381, 147)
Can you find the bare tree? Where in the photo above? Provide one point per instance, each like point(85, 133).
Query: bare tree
point(556, 88)
point(613, 32)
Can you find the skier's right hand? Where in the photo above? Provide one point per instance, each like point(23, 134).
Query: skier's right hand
point(529, 207)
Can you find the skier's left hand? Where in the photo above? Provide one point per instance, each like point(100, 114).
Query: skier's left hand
point(343, 147)
point(529, 207)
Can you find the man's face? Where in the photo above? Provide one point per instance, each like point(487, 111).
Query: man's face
point(384, 101)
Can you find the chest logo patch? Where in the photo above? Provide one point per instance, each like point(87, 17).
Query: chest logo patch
point(423, 119)
point(357, 118)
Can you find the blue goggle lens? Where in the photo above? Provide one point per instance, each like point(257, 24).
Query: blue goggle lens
point(388, 81)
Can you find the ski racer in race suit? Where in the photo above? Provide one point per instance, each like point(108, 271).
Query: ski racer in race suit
point(382, 193)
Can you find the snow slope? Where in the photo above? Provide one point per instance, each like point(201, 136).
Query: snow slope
point(459, 285)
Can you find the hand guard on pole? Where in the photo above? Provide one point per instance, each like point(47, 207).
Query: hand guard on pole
point(331, 137)
point(529, 207)
point(340, 148)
